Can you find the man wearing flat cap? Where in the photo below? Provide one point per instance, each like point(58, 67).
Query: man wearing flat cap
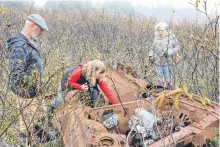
point(26, 70)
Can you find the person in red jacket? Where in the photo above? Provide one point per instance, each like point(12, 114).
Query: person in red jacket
point(86, 78)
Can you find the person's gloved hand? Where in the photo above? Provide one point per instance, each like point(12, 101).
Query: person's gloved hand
point(151, 60)
point(165, 55)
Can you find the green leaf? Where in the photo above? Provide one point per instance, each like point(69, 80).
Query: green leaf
point(207, 100)
point(203, 102)
point(185, 88)
point(190, 96)
point(197, 4)
point(176, 101)
point(12, 140)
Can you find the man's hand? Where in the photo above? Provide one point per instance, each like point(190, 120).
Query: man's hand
point(84, 87)
point(151, 60)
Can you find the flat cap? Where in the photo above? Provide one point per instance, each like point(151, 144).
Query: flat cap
point(38, 20)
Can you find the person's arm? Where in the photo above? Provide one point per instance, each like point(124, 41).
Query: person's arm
point(74, 77)
point(107, 92)
point(18, 64)
point(175, 45)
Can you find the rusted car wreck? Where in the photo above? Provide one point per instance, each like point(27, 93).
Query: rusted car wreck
point(146, 116)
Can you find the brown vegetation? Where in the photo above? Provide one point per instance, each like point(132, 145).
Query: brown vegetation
point(79, 35)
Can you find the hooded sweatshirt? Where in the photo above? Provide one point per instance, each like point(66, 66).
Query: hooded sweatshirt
point(25, 66)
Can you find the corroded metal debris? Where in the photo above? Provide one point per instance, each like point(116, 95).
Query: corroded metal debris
point(144, 117)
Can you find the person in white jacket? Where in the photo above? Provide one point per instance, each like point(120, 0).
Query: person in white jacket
point(164, 46)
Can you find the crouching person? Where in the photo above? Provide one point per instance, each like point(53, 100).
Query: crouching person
point(25, 73)
point(85, 78)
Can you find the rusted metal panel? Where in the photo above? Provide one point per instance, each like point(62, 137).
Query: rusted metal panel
point(124, 88)
point(83, 126)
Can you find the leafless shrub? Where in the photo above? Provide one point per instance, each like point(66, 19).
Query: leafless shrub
point(79, 35)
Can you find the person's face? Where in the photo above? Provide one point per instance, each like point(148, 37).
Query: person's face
point(99, 75)
point(162, 33)
point(37, 31)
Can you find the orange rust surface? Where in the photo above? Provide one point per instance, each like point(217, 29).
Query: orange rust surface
point(70, 117)
point(124, 88)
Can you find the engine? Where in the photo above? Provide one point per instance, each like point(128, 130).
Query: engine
point(142, 124)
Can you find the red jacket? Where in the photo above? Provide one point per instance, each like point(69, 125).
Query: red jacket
point(75, 76)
